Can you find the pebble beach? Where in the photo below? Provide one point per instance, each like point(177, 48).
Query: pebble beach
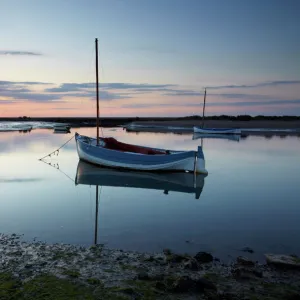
point(36, 270)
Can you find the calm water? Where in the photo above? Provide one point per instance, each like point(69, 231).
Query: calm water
point(249, 198)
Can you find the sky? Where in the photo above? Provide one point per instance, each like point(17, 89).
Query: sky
point(155, 57)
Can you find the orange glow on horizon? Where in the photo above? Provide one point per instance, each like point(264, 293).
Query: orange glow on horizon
point(76, 110)
point(142, 105)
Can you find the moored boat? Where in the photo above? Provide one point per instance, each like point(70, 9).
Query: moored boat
point(217, 130)
point(61, 128)
point(111, 153)
point(20, 128)
point(201, 129)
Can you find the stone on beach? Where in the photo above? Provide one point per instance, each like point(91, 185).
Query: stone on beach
point(204, 257)
point(281, 260)
point(244, 261)
point(185, 284)
point(191, 264)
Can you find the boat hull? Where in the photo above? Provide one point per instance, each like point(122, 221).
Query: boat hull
point(217, 130)
point(61, 128)
point(192, 161)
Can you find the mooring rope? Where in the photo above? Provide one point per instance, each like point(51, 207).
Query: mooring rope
point(56, 166)
point(57, 150)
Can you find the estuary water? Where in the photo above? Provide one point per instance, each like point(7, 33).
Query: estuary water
point(250, 197)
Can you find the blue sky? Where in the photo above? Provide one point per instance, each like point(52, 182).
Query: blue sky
point(188, 44)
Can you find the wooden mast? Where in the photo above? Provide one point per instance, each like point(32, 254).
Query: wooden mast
point(97, 90)
point(203, 108)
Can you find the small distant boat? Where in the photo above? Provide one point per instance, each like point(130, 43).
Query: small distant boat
point(111, 153)
point(62, 128)
point(198, 129)
point(178, 182)
point(217, 130)
point(21, 128)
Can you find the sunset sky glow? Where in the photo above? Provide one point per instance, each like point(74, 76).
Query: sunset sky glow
point(155, 57)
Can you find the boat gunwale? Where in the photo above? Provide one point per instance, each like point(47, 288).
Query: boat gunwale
point(172, 152)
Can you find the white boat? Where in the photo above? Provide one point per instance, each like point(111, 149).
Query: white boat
point(61, 128)
point(201, 129)
point(23, 128)
point(111, 153)
point(88, 174)
point(217, 130)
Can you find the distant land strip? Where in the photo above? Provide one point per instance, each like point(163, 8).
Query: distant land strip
point(245, 121)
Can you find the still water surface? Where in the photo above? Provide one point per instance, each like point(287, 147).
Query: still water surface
point(249, 198)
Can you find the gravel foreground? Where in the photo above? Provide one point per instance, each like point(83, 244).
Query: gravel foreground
point(41, 271)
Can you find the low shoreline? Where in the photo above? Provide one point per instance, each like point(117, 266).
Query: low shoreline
point(253, 124)
point(116, 274)
point(267, 128)
point(216, 122)
point(248, 128)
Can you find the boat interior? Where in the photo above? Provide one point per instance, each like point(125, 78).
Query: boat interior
point(113, 144)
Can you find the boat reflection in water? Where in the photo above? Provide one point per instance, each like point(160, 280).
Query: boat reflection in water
point(88, 174)
point(178, 182)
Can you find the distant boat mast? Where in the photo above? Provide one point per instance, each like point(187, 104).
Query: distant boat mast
point(203, 108)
